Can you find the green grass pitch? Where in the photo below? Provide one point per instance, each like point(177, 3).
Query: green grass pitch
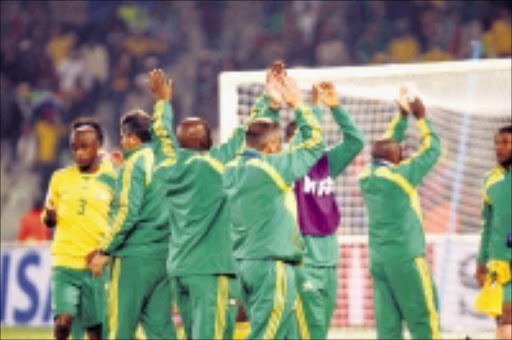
point(25, 333)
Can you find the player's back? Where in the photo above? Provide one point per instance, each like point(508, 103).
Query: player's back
point(263, 210)
point(139, 206)
point(199, 220)
point(395, 222)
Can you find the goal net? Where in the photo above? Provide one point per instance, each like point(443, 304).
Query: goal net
point(467, 101)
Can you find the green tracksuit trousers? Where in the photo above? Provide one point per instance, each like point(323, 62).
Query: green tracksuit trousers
point(404, 290)
point(270, 294)
point(318, 291)
point(206, 306)
point(140, 291)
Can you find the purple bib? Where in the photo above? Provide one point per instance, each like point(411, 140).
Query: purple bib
point(316, 206)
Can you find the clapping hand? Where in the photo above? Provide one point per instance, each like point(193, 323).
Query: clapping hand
point(275, 84)
point(403, 101)
point(326, 93)
point(159, 87)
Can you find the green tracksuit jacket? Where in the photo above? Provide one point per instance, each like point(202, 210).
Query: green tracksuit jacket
point(262, 204)
point(199, 219)
point(323, 250)
point(403, 286)
point(139, 220)
point(395, 221)
point(496, 216)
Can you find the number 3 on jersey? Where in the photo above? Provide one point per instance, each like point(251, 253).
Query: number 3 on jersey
point(82, 203)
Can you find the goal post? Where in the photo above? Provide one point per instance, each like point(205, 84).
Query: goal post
point(397, 74)
point(452, 92)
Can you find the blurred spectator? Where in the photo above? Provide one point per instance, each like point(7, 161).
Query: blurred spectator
point(210, 14)
point(12, 118)
point(380, 58)
point(436, 54)
point(73, 75)
point(206, 98)
point(48, 132)
point(472, 31)
point(497, 40)
point(41, 48)
point(31, 229)
point(60, 44)
point(96, 60)
point(302, 24)
point(120, 84)
point(371, 43)
point(331, 49)
point(75, 83)
point(134, 16)
point(404, 48)
point(140, 44)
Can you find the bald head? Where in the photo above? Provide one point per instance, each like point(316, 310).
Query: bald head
point(387, 149)
point(194, 133)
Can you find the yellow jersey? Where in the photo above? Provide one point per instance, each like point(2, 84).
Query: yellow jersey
point(82, 203)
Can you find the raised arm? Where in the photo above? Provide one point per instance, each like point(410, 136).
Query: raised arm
point(419, 165)
point(339, 156)
point(295, 163)
point(162, 134)
point(398, 125)
point(267, 105)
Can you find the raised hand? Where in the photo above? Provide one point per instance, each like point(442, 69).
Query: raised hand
point(417, 108)
point(159, 87)
point(275, 83)
point(403, 101)
point(329, 96)
point(292, 94)
point(316, 93)
point(274, 90)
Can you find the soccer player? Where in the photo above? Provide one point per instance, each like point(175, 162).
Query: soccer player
point(318, 217)
point(263, 208)
point(139, 242)
point(200, 261)
point(493, 271)
point(403, 287)
point(77, 205)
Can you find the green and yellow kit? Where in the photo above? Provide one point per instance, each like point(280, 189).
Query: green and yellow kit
point(82, 203)
point(317, 278)
point(200, 261)
point(403, 287)
point(494, 252)
point(139, 243)
point(266, 238)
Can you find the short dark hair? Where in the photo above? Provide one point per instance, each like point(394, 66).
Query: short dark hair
point(88, 122)
point(137, 122)
point(260, 132)
point(290, 129)
point(505, 129)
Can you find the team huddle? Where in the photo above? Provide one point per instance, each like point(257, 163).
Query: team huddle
point(240, 232)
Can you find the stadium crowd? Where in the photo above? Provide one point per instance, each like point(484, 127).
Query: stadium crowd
point(60, 60)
